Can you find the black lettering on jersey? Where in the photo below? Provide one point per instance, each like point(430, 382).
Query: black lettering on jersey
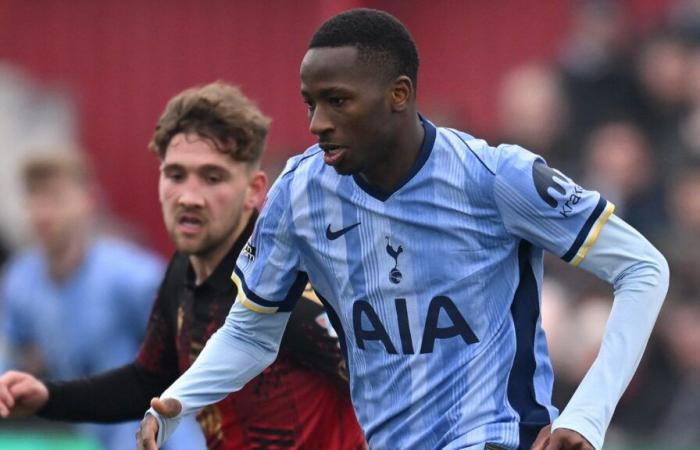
point(459, 326)
point(431, 330)
point(546, 178)
point(377, 333)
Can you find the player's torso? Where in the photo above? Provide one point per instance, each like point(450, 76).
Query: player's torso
point(286, 406)
point(422, 283)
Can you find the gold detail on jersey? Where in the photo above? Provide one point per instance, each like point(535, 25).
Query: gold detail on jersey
point(195, 350)
point(311, 294)
point(180, 318)
point(210, 420)
point(593, 235)
point(245, 301)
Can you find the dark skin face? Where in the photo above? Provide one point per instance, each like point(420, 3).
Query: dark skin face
point(366, 124)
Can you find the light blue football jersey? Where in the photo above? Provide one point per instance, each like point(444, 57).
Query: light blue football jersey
point(433, 289)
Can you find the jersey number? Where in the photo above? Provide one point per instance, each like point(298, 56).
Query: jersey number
point(431, 331)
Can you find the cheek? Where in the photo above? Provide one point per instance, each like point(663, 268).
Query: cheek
point(227, 200)
point(166, 192)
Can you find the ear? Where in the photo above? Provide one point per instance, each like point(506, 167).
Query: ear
point(256, 190)
point(401, 93)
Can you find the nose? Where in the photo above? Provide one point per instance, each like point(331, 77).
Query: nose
point(190, 194)
point(320, 123)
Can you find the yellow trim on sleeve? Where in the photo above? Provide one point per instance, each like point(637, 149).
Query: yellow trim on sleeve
point(593, 235)
point(245, 301)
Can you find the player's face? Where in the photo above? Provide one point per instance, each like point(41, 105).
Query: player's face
point(203, 194)
point(58, 207)
point(349, 108)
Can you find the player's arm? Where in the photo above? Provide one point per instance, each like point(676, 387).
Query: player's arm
point(639, 275)
point(114, 396)
point(242, 348)
point(545, 207)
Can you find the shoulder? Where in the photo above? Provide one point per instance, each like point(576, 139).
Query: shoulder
point(300, 171)
point(126, 255)
point(310, 161)
point(24, 266)
point(478, 153)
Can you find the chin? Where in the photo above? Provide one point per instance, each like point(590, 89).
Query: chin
point(346, 169)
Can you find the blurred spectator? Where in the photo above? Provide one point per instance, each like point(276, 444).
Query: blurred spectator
point(663, 72)
point(681, 241)
point(620, 163)
point(34, 116)
point(679, 426)
point(77, 302)
point(532, 112)
point(595, 60)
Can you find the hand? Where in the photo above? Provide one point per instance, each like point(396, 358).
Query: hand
point(21, 394)
point(148, 431)
point(560, 439)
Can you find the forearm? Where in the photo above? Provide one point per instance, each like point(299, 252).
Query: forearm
point(639, 275)
point(118, 395)
point(243, 347)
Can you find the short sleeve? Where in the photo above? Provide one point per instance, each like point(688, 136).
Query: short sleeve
point(543, 206)
point(268, 272)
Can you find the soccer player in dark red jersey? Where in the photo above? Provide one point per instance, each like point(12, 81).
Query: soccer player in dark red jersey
point(210, 140)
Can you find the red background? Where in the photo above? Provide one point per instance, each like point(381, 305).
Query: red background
point(123, 59)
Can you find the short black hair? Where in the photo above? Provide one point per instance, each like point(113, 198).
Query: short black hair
point(380, 38)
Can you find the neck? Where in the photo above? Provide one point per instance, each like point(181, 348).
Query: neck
point(204, 265)
point(65, 258)
point(398, 162)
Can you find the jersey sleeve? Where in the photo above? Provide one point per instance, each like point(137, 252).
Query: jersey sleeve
point(268, 272)
point(543, 206)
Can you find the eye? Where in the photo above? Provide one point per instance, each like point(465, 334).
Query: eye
point(336, 101)
point(213, 179)
point(176, 176)
point(310, 106)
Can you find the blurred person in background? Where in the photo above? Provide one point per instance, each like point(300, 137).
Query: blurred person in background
point(681, 239)
point(678, 422)
point(210, 141)
point(76, 302)
point(595, 62)
point(663, 69)
point(532, 112)
point(619, 160)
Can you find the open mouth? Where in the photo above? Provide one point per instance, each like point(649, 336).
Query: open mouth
point(189, 223)
point(333, 153)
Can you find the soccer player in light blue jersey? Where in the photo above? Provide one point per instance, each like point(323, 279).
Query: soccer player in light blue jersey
point(426, 246)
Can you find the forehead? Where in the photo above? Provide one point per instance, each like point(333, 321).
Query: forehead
point(331, 66)
point(193, 150)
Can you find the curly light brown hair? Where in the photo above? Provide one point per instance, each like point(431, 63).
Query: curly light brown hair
point(218, 112)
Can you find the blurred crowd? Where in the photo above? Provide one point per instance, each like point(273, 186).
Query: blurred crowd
point(617, 110)
point(620, 113)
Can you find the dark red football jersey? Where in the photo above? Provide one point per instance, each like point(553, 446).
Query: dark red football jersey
point(301, 401)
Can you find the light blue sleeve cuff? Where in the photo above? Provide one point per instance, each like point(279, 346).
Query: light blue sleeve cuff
point(166, 427)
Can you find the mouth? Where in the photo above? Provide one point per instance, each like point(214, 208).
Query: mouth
point(333, 153)
point(189, 223)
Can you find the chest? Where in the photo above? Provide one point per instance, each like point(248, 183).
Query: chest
point(197, 315)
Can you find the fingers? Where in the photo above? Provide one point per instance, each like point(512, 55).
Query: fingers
point(7, 400)
point(147, 434)
point(167, 407)
point(563, 439)
point(542, 439)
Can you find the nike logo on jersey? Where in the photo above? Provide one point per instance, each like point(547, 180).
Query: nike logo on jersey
point(333, 235)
